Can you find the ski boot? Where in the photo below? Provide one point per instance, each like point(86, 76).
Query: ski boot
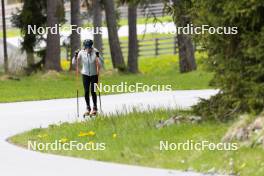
point(93, 113)
point(87, 113)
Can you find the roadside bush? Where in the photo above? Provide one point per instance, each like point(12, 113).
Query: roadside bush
point(237, 60)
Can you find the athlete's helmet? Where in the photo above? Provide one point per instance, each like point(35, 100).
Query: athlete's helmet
point(88, 43)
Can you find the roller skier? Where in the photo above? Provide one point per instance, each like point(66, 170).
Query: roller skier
point(91, 62)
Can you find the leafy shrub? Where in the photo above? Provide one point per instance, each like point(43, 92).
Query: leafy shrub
point(237, 60)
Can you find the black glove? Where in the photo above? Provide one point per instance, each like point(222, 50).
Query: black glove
point(97, 54)
point(76, 53)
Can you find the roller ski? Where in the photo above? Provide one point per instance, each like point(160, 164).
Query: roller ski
point(90, 114)
point(86, 114)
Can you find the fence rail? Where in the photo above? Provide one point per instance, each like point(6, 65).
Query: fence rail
point(156, 9)
point(150, 47)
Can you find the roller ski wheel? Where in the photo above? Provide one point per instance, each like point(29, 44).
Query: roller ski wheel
point(93, 113)
point(86, 114)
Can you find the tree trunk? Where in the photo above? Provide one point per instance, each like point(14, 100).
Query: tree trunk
point(4, 37)
point(30, 59)
point(186, 53)
point(186, 49)
point(52, 59)
point(97, 23)
point(133, 42)
point(115, 48)
point(75, 37)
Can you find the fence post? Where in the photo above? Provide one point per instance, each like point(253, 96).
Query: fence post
point(156, 46)
point(175, 45)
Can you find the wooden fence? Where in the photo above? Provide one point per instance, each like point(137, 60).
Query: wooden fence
point(149, 47)
point(156, 8)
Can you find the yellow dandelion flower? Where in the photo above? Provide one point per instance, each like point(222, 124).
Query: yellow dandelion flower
point(63, 140)
point(82, 134)
point(91, 142)
point(114, 135)
point(42, 136)
point(91, 133)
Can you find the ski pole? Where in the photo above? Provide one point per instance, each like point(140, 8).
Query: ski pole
point(77, 88)
point(97, 85)
point(100, 101)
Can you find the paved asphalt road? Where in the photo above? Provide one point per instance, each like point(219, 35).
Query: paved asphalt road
point(21, 116)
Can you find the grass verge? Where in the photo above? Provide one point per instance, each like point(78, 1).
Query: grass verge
point(162, 71)
point(134, 139)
